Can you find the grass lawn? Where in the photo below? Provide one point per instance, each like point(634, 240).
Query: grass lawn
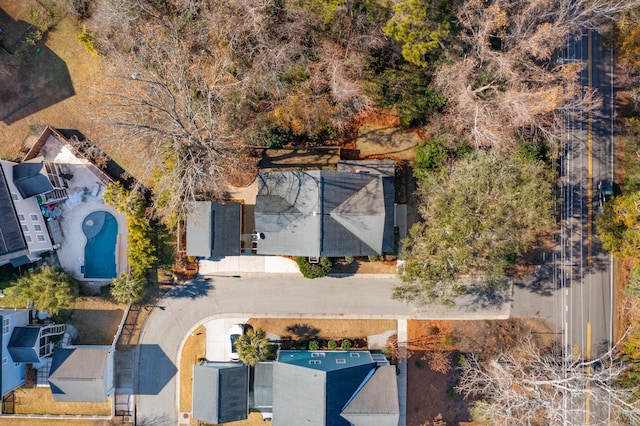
point(96, 319)
point(40, 401)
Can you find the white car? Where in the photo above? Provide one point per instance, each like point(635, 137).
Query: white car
point(235, 331)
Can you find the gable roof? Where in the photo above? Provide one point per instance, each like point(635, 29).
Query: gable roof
point(220, 392)
point(376, 402)
point(213, 229)
point(29, 179)
point(24, 344)
point(12, 243)
point(262, 385)
point(81, 374)
point(324, 213)
point(320, 391)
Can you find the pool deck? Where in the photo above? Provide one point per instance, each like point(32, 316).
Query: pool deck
point(85, 178)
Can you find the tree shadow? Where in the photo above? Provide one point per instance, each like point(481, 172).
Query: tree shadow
point(36, 79)
point(487, 297)
point(199, 287)
point(155, 370)
point(303, 331)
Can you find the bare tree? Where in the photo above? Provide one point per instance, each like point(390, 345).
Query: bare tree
point(167, 101)
point(533, 386)
point(501, 80)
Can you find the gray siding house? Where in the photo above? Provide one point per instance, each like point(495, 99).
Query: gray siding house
point(82, 374)
point(220, 392)
point(213, 229)
point(324, 213)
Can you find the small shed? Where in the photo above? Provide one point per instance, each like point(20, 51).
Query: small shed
point(220, 392)
point(82, 374)
point(213, 229)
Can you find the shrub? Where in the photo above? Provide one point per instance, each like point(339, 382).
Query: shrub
point(420, 364)
point(349, 259)
point(448, 340)
point(346, 345)
point(374, 258)
point(314, 270)
point(301, 345)
point(432, 329)
point(314, 345)
point(332, 345)
point(86, 38)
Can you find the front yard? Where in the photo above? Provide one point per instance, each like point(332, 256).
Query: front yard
point(286, 328)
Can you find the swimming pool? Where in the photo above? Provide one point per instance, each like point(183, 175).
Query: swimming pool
point(101, 230)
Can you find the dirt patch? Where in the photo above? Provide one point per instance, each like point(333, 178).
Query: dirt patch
point(96, 320)
point(309, 329)
point(387, 141)
point(40, 401)
point(435, 390)
point(363, 266)
point(430, 393)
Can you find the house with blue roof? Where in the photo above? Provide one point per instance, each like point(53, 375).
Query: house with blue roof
point(333, 388)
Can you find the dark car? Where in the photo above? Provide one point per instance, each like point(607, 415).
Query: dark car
point(605, 192)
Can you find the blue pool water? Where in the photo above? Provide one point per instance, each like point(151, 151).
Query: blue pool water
point(101, 229)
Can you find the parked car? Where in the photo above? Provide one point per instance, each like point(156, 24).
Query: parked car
point(605, 192)
point(235, 331)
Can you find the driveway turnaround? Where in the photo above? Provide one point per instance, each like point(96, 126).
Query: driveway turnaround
point(265, 295)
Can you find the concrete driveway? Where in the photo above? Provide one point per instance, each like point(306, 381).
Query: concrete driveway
point(218, 345)
point(187, 306)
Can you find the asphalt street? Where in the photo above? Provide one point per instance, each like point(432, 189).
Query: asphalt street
point(584, 268)
point(274, 295)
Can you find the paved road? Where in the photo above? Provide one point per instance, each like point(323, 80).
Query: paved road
point(585, 269)
point(267, 295)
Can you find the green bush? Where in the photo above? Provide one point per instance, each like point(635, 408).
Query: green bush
point(349, 259)
point(301, 345)
point(332, 345)
point(314, 345)
point(633, 286)
point(314, 270)
point(374, 258)
point(345, 345)
point(141, 253)
point(86, 38)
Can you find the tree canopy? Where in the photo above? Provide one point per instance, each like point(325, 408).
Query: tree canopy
point(478, 214)
point(618, 226)
point(128, 288)
point(46, 290)
point(535, 385)
point(253, 346)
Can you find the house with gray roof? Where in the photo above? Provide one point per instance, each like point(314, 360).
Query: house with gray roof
point(333, 388)
point(325, 213)
point(82, 374)
point(25, 190)
point(213, 229)
point(220, 392)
